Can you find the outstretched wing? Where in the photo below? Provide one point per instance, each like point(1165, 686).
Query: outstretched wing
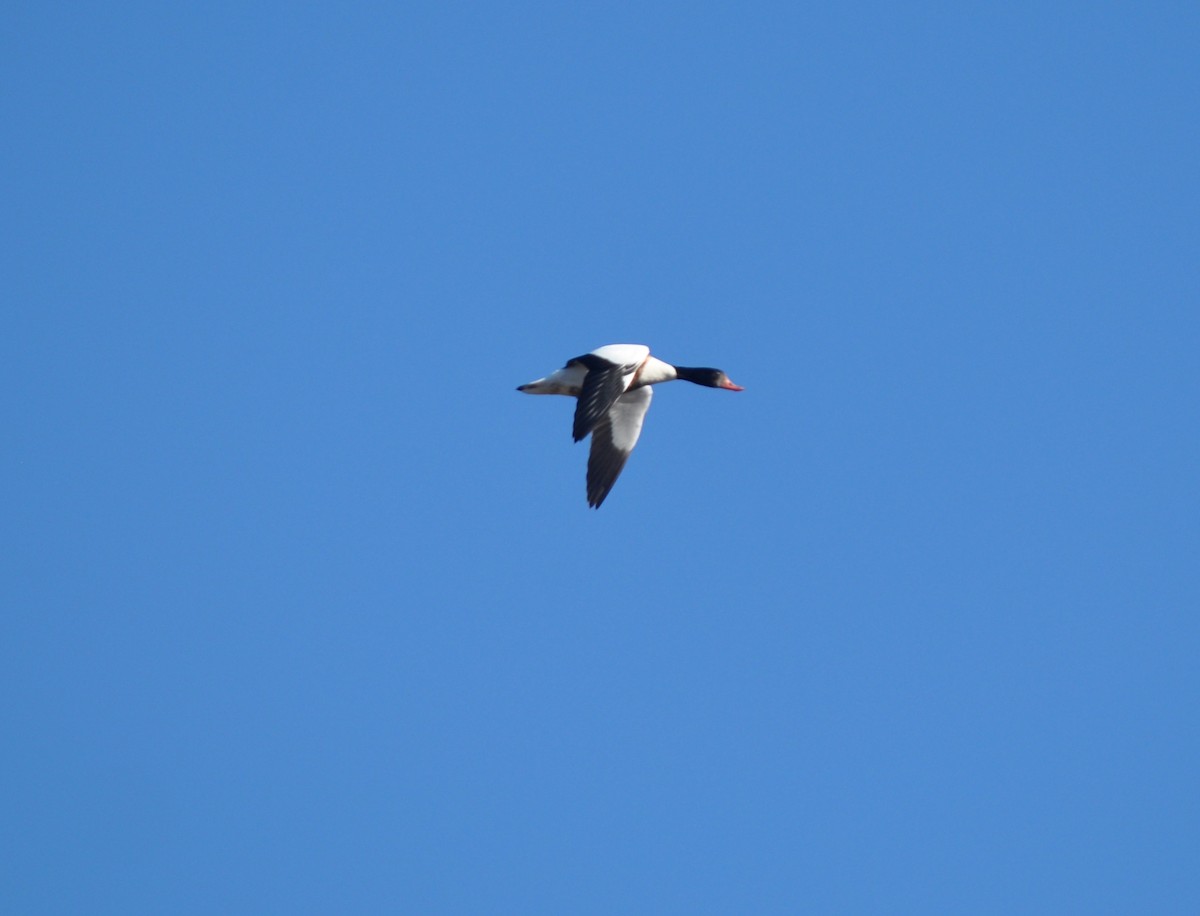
point(604, 383)
point(612, 440)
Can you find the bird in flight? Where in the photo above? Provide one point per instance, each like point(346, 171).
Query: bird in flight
point(612, 384)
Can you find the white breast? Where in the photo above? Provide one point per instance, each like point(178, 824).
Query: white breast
point(654, 371)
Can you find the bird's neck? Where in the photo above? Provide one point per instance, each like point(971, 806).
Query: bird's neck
point(689, 374)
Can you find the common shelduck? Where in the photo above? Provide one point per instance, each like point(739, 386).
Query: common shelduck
point(613, 388)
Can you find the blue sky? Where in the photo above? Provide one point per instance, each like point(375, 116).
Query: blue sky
point(305, 608)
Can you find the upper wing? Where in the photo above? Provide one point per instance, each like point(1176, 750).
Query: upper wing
point(623, 354)
point(603, 384)
point(612, 440)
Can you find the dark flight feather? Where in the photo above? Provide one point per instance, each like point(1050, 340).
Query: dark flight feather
point(603, 384)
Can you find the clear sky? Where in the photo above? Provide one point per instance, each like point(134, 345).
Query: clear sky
point(305, 611)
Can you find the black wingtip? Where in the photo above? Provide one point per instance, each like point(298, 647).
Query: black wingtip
point(581, 427)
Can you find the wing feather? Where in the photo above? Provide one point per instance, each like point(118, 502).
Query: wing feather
point(603, 384)
point(612, 440)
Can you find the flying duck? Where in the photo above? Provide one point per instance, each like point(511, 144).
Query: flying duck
point(613, 388)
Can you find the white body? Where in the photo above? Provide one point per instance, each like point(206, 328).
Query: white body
point(646, 370)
